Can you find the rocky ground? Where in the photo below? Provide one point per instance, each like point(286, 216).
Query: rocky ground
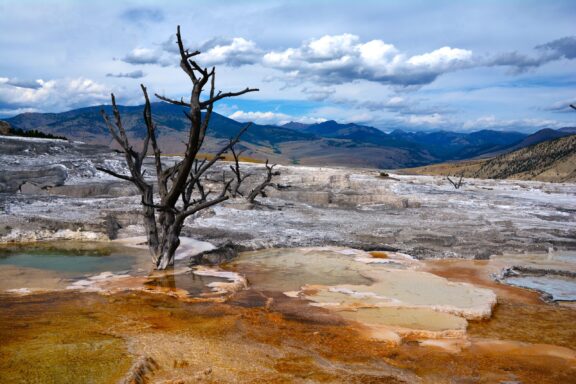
point(51, 189)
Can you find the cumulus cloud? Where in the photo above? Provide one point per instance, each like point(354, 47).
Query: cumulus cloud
point(56, 94)
point(344, 58)
point(337, 59)
point(131, 75)
point(273, 118)
point(233, 52)
point(139, 56)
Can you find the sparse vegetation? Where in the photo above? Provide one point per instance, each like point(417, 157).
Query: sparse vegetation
point(456, 184)
point(34, 133)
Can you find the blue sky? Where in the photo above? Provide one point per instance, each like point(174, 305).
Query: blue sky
point(410, 64)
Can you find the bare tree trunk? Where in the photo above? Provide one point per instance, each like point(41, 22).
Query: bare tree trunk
point(180, 187)
point(149, 215)
point(170, 241)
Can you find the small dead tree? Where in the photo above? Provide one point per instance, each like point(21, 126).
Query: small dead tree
point(239, 177)
point(457, 184)
point(259, 189)
point(180, 187)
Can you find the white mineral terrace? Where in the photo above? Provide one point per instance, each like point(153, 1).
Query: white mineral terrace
point(393, 299)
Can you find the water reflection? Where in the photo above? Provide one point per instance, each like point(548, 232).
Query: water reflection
point(177, 280)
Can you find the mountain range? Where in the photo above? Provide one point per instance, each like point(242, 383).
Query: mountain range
point(326, 143)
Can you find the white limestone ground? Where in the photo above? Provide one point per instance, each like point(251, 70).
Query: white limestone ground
point(420, 215)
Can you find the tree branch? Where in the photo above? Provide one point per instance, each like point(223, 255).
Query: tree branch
point(204, 205)
point(223, 150)
point(259, 189)
point(184, 57)
point(112, 173)
point(221, 96)
point(172, 101)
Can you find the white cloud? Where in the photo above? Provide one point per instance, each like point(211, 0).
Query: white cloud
point(343, 58)
point(444, 59)
point(232, 52)
point(328, 47)
point(434, 119)
point(273, 118)
point(55, 94)
point(141, 56)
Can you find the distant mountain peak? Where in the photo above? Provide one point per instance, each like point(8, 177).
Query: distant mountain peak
point(296, 126)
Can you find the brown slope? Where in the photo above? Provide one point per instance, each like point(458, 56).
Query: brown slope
point(552, 161)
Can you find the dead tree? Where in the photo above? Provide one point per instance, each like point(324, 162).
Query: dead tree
point(180, 186)
point(259, 189)
point(239, 177)
point(458, 184)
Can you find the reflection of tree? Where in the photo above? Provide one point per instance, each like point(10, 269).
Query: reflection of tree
point(165, 279)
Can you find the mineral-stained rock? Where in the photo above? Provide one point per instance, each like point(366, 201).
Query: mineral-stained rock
point(216, 256)
point(32, 179)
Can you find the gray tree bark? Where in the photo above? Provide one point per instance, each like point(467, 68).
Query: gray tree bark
point(180, 187)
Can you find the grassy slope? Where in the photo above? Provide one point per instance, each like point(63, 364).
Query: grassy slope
point(552, 161)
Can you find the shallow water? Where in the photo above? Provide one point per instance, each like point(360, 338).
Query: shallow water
point(65, 265)
point(80, 259)
point(560, 288)
point(290, 269)
point(55, 265)
point(193, 284)
point(381, 291)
